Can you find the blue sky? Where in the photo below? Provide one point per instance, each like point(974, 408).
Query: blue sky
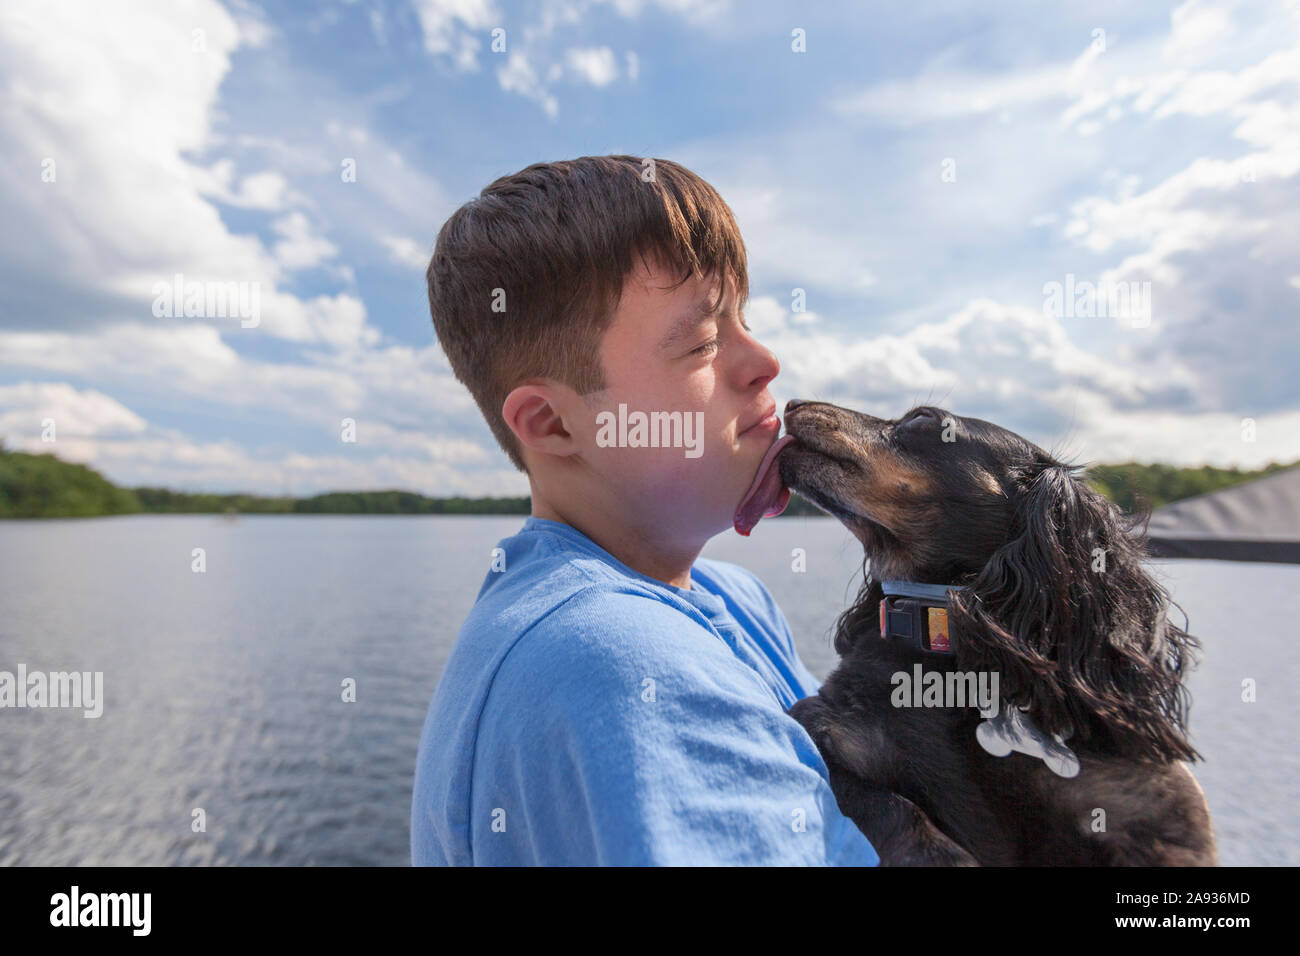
point(924, 175)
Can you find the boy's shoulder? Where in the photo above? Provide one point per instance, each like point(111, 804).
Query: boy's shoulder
point(549, 604)
point(734, 580)
point(539, 579)
point(540, 574)
point(565, 604)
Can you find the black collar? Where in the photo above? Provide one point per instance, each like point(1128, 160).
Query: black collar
point(917, 613)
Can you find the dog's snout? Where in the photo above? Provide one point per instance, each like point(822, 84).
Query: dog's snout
point(794, 403)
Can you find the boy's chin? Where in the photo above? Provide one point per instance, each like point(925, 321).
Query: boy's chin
point(687, 499)
point(703, 521)
point(689, 516)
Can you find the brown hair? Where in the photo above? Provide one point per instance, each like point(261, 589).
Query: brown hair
point(552, 244)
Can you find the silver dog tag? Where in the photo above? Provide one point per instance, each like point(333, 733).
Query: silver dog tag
point(1013, 729)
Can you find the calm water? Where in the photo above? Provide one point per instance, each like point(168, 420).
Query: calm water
point(223, 689)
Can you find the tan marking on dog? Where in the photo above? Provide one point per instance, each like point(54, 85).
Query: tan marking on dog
point(890, 479)
point(893, 493)
point(890, 494)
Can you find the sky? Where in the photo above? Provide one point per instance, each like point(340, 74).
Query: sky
point(946, 183)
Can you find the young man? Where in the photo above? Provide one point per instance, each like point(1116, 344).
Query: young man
point(612, 697)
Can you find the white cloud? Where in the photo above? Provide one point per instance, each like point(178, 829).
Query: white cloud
point(1017, 368)
point(594, 65)
point(26, 406)
point(263, 190)
point(1147, 74)
point(1217, 237)
point(115, 128)
point(407, 252)
point(944, 95)
point(533, 64)
point(124, 203)
point(414, 420)
point(518, 76)
point(693, 11)
point(451, 28)
point(388, 193)
point(300, 247)
point(920, 290)
point(255, 31)
point(794, 232)
point(184, 356)
point(1197, 25)
point(130, 209)
point(267, 190)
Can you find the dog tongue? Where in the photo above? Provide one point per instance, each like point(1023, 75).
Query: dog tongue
point(768, 495)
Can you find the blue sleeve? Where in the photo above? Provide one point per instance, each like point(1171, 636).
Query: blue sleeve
point(619, 731)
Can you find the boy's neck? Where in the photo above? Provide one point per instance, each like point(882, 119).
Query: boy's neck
point(636, 552)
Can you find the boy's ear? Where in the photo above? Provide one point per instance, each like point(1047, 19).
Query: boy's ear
point(535, 413)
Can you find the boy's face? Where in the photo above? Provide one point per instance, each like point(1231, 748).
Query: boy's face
point(663, 354)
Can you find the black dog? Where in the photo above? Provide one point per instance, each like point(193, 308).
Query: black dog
point(1048, 594)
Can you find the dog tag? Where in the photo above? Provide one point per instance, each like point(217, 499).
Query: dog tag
point(1013, 729)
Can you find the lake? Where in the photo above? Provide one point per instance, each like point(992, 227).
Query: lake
point(222, 690)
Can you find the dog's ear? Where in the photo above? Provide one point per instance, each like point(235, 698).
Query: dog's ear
point(1077, 630)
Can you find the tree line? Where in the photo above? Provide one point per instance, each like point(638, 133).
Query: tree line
point(44, 486)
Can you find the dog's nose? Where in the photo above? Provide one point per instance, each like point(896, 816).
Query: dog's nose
point(795, 403)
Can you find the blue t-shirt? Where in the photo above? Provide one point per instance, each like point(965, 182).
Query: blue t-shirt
point(591, 715)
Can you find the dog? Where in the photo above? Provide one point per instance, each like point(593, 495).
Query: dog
point(1082, 760)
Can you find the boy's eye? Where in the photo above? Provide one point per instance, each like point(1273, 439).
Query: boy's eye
point(708, 348)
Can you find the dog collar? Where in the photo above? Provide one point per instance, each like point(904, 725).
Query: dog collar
point(917, 613)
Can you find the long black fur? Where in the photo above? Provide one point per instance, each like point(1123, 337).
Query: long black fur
point(1089, 649)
